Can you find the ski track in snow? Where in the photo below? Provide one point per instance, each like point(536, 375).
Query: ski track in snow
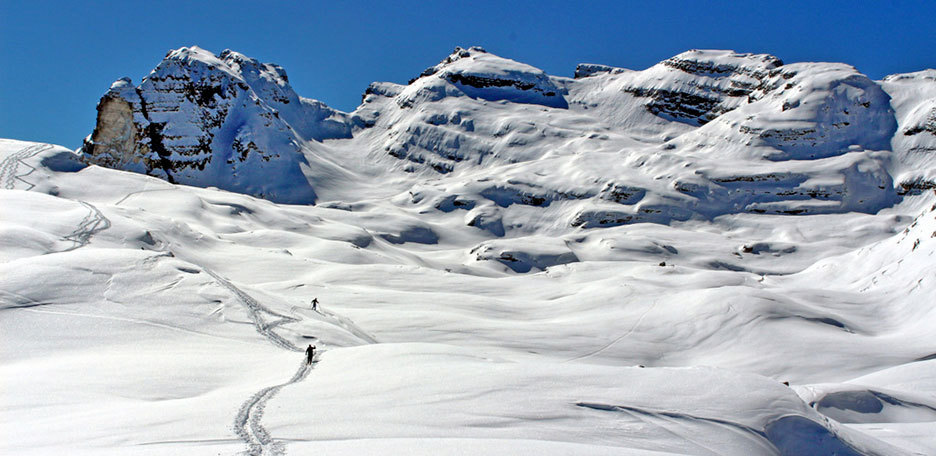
point(247, 423)
point(348, 325)
point(255, 311)
point(90, 225)
point(11, 163)
point(616, 340)
point(93, 223)
point(128, 195)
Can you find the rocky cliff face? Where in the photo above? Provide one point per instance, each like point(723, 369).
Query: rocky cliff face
point(227, 121)
point(698, 86)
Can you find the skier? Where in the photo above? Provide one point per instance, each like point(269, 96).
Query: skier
point(310, 353)
point(315, 304)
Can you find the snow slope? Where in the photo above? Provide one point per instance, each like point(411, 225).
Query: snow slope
point(629, 262)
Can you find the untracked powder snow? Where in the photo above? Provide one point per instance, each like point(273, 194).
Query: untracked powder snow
point(720, 254)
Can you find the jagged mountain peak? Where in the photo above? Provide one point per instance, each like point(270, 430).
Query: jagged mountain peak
point(121, 83)
point(712, 63)
point(191, 54)
point(584, 70)
point(458, 54)
point(194, 60)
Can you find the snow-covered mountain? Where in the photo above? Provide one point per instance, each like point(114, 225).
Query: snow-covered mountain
point(702, 134)
point(226, 120)
point(623, 262)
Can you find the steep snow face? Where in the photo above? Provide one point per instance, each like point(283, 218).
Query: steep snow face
point(310, 119)
point(913, 96)
point(226, 121)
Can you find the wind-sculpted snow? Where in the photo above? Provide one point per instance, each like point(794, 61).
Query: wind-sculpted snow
point(534, 253)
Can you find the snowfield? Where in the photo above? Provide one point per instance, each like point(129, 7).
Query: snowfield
point(721, 254)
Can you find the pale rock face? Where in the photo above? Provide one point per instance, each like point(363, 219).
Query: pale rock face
point(116, 135)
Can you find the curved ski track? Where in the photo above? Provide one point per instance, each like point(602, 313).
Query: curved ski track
point(11, 163)
point(247, 423)
point(90, 225)
point(93, 223)
point(255, 312)
point(616, 340)
point(348, 325)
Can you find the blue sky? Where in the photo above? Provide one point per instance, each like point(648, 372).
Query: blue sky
point(58, 58)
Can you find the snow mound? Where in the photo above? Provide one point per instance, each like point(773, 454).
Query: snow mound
point(526, 255)
point(873, 406)
point(805, 111)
